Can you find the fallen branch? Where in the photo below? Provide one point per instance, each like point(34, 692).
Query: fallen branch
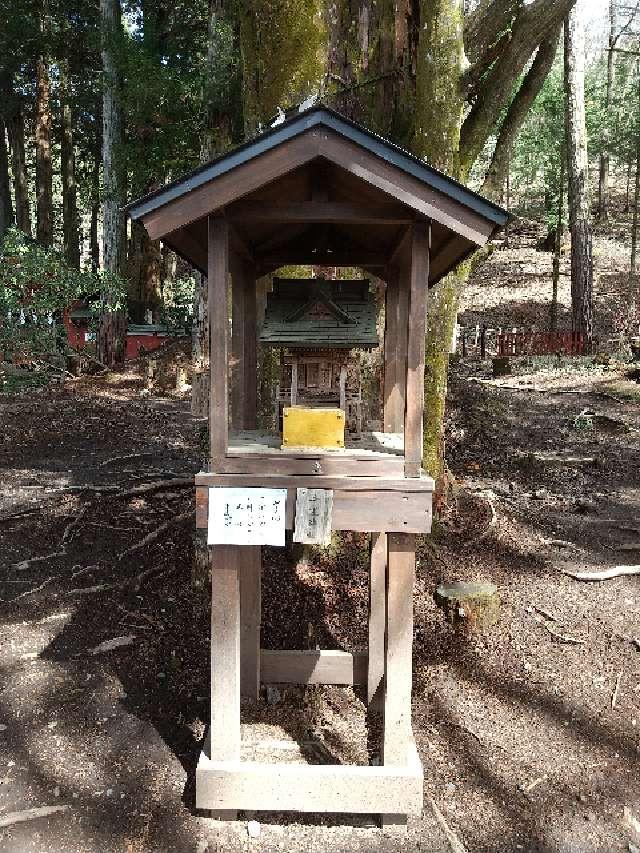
point(616, 690)
point(151, 537)
point(564, 638)
point(73, 524)
point(156, 485)
point(157, 570)
point(30, 814)
point(24, 564)
point(454, 842)
point(607, 574)
point(18, 513)
point(125, 458)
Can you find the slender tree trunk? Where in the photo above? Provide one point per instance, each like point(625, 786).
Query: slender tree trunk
point(94, 244)
point(553, 314)
point(70, 219)
point(44, 180)
point(6, 207)
point(633, 288)
point(576, 134)
point(603, 178)
point(19, 169)
point(112, 332)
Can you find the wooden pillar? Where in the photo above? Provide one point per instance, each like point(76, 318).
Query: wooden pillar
point(250, 608)
point(417, 277)
point(377, 613)
point(390, 354)
point(294, 381)
point(343, 389)
point(397, 736)
point(243, 345)
point(218, 276)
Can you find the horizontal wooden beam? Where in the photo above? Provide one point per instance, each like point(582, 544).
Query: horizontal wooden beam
point(312, 667)
point(310, 788)
point(346, 258)
point(320, 211)
point(371, 511)
point(364, 465)
point(422, 484)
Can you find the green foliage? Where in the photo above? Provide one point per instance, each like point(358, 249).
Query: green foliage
point(177, 306)
point(36, 286)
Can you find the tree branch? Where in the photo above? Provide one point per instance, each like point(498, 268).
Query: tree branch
point(531, 26)
point(518, 110)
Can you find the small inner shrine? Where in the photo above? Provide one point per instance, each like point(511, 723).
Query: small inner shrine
point(318, 326)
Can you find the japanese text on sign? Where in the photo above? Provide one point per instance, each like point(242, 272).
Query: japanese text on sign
point(246, 516)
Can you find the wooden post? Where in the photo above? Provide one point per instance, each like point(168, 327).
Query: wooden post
point(418, 277)
point(294, 381)
point(244, 337)
point(390, 353)
point(343, 388)
point(377, 613)
point(250, 610)
point(397, 736)
point(251, 348)
point(218, 275)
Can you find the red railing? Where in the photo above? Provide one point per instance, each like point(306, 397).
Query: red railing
point(518, 342)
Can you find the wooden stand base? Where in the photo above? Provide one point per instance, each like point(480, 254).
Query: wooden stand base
point(390, 791)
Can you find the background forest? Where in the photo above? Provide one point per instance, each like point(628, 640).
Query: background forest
point(101, 103)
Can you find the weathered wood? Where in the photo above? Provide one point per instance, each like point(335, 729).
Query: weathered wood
point(377, 613)
point(283, 481)
point(320, 211)
point(343, 388)
point(312, 463)
point(250, 612)
point(218, 267)
point(243, 345)
point(313, 666)
point(313, 516)
point(294, 382)
point(225, 652)
point(357, 510)
point(251, 348)
point(310, 788)
point(398, 653)
point(418, 276)
point(390, 356)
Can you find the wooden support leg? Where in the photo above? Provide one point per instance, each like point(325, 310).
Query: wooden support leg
point(377, 613)
point(398, 656)
point(224, 731)
point(250, 597)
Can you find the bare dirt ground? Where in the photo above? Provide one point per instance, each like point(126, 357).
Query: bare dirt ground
point(529, 734)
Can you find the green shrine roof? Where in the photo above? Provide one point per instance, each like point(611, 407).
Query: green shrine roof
point(318, 313)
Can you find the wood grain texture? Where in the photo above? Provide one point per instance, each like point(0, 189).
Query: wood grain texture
point(319, 481)
point(414, 412)
point(310, 788)
point(313, 516)
point(377, 613)
point(398, 654)
point(218, 277)
point(320, 211)
point(250, 613)
point(312, 463)
point(316, 666)
point(364, 511)
point(390, 409)
point(225, 652)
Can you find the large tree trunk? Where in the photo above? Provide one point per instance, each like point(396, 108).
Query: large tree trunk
point(94, 243)
point(44, 182)
point(6, 208)
point(70, 220)
point(111, 336)
point(15, 127)
point(603, 178)
point(577, 166)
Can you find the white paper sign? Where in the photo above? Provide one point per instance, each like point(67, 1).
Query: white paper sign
point(246, 516)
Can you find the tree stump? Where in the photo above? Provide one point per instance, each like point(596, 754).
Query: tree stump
point(501, 366)
point(471, 606)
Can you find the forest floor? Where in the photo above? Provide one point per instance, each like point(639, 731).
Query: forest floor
point(529, 733)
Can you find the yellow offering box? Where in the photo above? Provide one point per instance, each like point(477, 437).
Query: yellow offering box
point(304, 427)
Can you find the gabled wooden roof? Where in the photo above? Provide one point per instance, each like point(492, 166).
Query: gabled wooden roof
point(319, 172)
point(315, 313)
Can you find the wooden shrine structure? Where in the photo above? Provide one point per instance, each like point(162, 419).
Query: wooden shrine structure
point(316, 324)
point(317, 189)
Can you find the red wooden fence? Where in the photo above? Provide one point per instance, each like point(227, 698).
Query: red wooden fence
point(562, 342)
